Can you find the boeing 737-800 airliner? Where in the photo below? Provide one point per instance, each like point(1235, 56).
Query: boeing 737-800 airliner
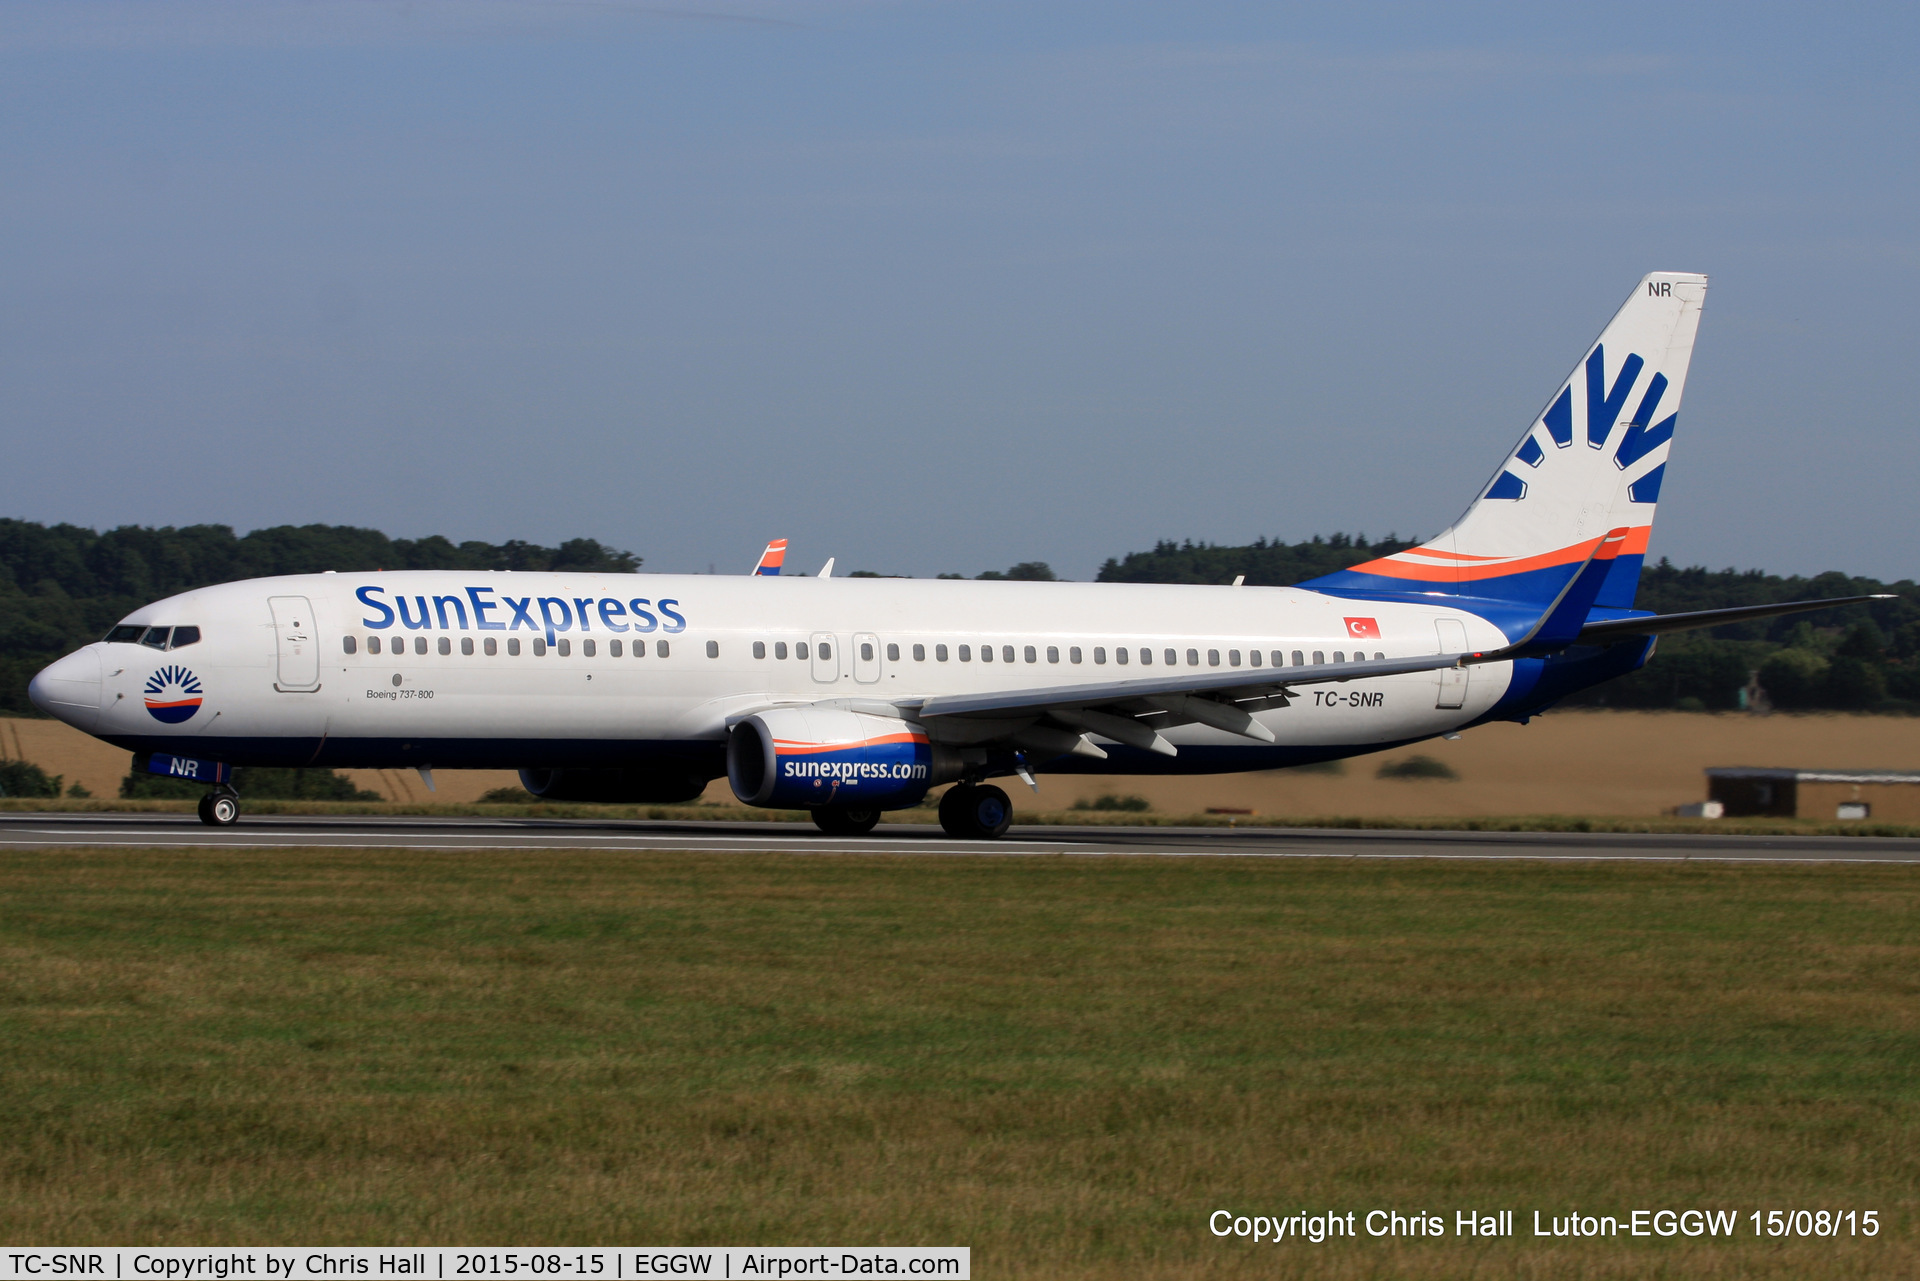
point(848, 697)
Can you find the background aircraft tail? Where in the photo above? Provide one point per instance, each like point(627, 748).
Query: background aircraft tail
point(772, 559)
point(1591, 463)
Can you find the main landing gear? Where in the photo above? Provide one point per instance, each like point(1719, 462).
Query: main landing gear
point(837, 820)
point(220, 809)
point(976, 811)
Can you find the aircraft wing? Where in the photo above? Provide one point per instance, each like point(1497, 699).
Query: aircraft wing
point(1657, 624)
point(1133, 711)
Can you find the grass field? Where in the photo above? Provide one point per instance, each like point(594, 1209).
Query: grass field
point(1066, 1064)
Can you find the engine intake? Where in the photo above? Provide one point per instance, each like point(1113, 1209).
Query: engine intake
point(810, 757)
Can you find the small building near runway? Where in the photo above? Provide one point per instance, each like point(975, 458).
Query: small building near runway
point(1745, 792)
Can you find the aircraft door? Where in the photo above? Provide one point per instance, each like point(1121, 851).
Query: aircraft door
point(298, 670)
point(826, 657)
point(1453, 680)
point(866, 657)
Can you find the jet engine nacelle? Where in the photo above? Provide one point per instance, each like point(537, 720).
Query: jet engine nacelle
point(810, 757)
point(662, 786)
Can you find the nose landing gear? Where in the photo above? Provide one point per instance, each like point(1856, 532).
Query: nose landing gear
point(220, 808)
point(976, 812)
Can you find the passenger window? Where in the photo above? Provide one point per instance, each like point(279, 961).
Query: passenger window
point(1339, 656)
point(1006, 653)
point(713, 649)
point(156, 637)
point(893, 652)
point(1253, 658)
point(1146, 657)
point(986, 653)
point(1319, 657)
point(373, 644)
point(1073, 654)
point(780, 649)
point(1233, 658)
point(966, 653)
point(185, 636)
point(446, 646)
point(826, 650)
point(539, 647)
point(566, 647)
point(919, 653)
point(466, 645)
point(1173, 657)
point(660, 649)
point(759, 649)
point(1213, 658)
point(586, 648)
point(639, 649)
point(615, 649)
point(939, 653)
point(125, 634)
point(866, 651)
point(1299, 659)
point(1033, 655)
point(800, 650)
point(1380, 657)
point(491, 645)
point(419, 644)
point(1053, 653)
point(349, 644)
point(513, 647)
point(1100, 655)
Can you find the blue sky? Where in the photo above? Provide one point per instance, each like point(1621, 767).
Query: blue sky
point(939, 287)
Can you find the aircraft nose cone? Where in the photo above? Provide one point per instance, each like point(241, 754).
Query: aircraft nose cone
point(69, 689)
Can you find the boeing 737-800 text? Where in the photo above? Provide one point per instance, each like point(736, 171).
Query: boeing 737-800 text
point(848, 697)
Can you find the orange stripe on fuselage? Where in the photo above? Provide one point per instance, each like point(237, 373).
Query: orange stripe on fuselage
point(1635, 543)
point(1437, 554)
point(788, 747)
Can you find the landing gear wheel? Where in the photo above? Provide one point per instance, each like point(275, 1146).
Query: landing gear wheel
point(976, 813)
point(835, 821)
point(218, 809)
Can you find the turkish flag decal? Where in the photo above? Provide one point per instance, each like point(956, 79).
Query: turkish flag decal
point(1362, 629)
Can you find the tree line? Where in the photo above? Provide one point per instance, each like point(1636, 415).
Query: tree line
point(62, 586)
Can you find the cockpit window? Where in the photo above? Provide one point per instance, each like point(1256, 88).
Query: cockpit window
point(154, 637)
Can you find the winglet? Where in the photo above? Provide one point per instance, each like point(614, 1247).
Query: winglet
point(772, 559)
point(826, 570)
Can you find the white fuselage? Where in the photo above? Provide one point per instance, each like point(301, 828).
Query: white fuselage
point(287, 673)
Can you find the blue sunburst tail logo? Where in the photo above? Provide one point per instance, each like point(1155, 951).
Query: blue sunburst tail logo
point(173, 695)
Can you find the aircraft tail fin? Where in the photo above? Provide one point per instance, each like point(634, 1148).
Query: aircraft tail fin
point(1591, 463)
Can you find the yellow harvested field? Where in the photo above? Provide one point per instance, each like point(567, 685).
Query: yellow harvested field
point(1625, 764)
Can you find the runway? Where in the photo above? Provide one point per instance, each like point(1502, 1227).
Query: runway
point(478, 835)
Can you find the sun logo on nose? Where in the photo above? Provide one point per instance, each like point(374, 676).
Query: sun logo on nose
point(173, 695)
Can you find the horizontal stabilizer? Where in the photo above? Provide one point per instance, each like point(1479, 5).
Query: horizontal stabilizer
point(1657, 624)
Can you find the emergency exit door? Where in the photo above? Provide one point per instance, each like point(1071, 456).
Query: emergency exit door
point(298, 649)
point(1453, 680)
point(866, 657)
point(826, 657)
